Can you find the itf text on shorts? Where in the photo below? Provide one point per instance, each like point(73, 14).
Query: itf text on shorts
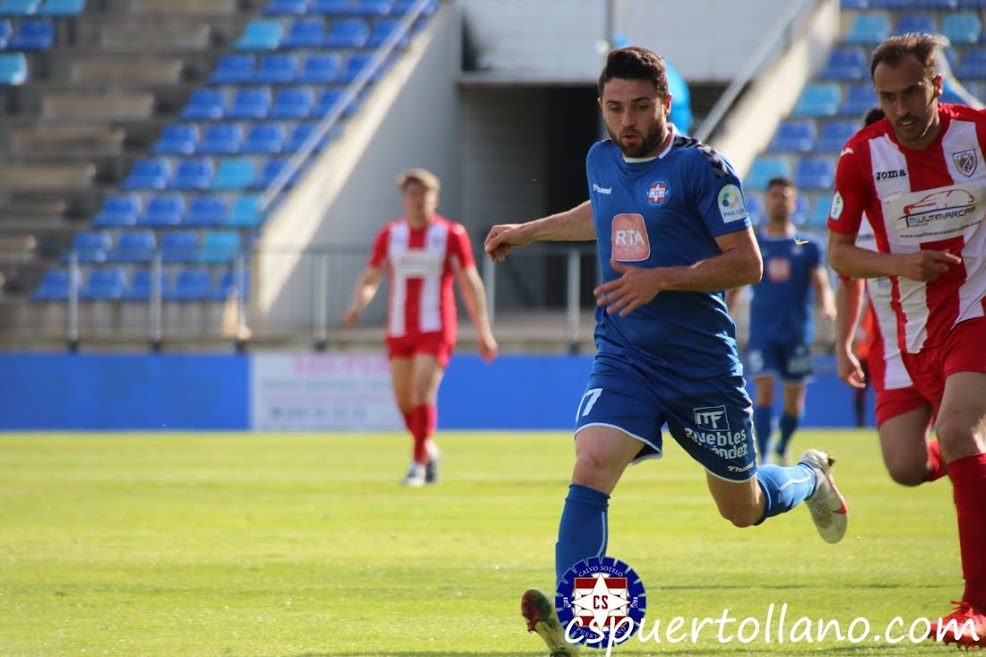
point(776, 626)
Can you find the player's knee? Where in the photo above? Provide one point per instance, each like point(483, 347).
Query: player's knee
point(955, 438)
point(592, 471)
point(906, 473)
point(740, 516)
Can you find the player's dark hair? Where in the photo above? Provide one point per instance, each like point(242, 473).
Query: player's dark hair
point(635, 63)
point(780, 181)
point(873, 115)
point(892, 51)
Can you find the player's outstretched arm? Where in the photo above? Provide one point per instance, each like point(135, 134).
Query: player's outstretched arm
point(474, 295)
point(366, 289)
point(574, 225)
point(848, 302)
point(849, 260)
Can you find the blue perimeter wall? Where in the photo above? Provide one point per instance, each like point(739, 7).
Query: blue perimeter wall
point(211, 392)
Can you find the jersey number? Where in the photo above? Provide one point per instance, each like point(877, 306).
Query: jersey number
point(589, 400)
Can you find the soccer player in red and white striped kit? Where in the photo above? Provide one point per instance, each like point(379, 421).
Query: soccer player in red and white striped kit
point(920, 177)
point(422, 252)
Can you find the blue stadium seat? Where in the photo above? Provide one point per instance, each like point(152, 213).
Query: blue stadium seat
point(794, 136)
point(834, 135)
point(333, 7)
point(140, 285)
point(304, 33)
point(327, 101)
point(218, 246)
point(179, 246)
point(228, 284)
point(265, 138)
point(303, 131)
point(191, 284)
point(6, 31)
point(373, 7)
point(818, 215)
point(62, 8)
point(148, 174)
point(356, 63)
point(292, 103)
point(269, 172)
point(205, 211)
point(19, 7)
point(234, 69)
point(857, 100)
point(192, 174)
point(964, 27)
point(286, 8)
point(133, 246)
point(815, 173)
point(204, 104)
point(972, 4)
point(907, 23)
point(935, 4)
point(868, 29)
point(251, 103)
point(220, 139)
point(347, 33)
point(13, 69)
point(276, 68)
point(54, 286)
point(234, 173)
point(401, 7)
point(754, 206)
point(260, 34)
point(320, 68)
point(383, 29)
point(104, 284)
point(177, 139)
point(763, 169)
point(847, 63)
point(973, 64)
point(818, 100)
point(163, 210)
point(118, 210)
point(33, 35)
point(245, 213)
point(853, 4)
point(92, 246)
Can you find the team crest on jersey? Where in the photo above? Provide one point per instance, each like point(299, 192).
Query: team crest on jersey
point(657, 192)
point(731, 205)
point(600, 602)
point(966, 162)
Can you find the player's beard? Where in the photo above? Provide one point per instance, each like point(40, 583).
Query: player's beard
point(645, 145)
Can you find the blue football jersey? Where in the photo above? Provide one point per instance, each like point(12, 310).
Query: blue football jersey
point(781, 308)
point(665, 212)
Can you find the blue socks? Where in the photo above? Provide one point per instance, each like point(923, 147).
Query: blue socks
point(582, 532)
point(763, 426)
point(784, 487)
point(788, 425)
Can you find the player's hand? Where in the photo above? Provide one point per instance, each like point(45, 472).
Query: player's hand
point(502, 238)
point(849, 369)
point(351, 316)
point(488, 347)
point(926, 265)
point(635, 287)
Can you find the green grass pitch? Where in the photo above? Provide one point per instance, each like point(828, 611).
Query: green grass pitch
point(257, 545)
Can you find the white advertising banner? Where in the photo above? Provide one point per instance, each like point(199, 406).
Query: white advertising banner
point(322, 392)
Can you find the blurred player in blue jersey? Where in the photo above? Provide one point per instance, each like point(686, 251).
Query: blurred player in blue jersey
point(672, 233)
point(781, 321)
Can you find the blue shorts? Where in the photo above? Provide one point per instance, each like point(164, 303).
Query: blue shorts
point(791, 361)
point(712, 419)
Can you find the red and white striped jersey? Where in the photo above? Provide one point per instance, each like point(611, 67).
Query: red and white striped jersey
point(421, 263)
point(929, 199)
point(886, 363)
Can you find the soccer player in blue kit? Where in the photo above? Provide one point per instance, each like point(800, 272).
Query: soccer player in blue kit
point(781, 321)
point(672, 233)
